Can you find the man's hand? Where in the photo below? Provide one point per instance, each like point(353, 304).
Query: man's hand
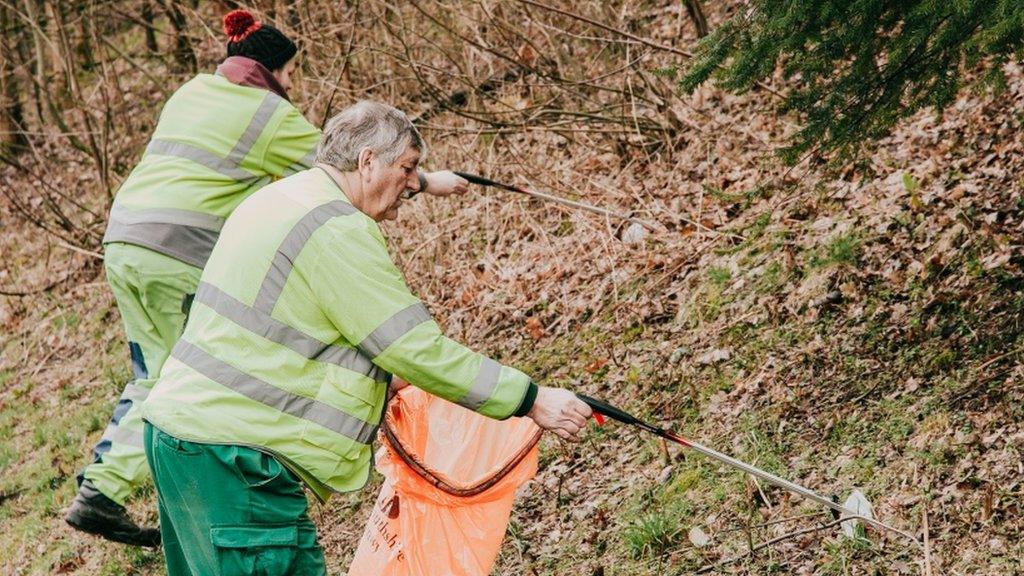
point(560, 411)
point(445, 183)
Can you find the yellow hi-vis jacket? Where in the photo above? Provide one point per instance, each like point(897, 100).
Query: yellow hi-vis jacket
point(298, 319)
point(215, 144)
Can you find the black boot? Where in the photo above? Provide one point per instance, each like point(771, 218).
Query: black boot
point(94, 513)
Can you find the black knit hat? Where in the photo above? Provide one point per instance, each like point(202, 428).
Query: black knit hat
point(261, 42)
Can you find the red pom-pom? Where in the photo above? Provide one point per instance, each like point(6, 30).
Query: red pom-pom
point(237, 23)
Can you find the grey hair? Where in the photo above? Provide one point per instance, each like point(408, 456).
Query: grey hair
point(366, 124)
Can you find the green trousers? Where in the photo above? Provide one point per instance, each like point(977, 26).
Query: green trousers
point(149, 288)
point(227, 510)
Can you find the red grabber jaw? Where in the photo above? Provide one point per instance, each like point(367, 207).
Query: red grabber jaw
point(857, 507)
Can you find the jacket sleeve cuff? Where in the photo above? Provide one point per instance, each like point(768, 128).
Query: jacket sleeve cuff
point(527, 404)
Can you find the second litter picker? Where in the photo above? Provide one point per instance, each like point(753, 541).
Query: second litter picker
point(863, 513)
point(482, 181)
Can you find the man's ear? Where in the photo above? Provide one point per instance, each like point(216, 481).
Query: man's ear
point(366, 158)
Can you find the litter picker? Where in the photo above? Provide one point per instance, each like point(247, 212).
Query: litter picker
point(482, 181)
point(862, 513)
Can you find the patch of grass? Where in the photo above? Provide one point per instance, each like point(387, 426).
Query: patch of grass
point(751, 234)
point(942, 360)
point(633, 375)
point(744, 199)
point(565, 228)
point(479, 240)
point(771, 280)
point(685, 480)
point(719, 276)
point(760, 444)
point(514, 537)
point(7, 454)
point(632, 333)
point(973, 265)
point(669, 72)
point(653, 534)
point(843, 550)
point(758, 227)
point(142, 557)
point(841, 250)
point(66, 320)
point(707, 300)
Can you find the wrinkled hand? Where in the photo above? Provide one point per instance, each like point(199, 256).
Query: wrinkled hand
point(560, 411)
point(445, 183)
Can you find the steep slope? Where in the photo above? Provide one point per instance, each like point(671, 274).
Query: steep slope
point(856, 328)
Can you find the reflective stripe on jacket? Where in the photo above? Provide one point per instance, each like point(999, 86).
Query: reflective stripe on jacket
point(215, 144)
point(299, 313)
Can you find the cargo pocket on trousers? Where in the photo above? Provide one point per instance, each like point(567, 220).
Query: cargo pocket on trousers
point(255, 549)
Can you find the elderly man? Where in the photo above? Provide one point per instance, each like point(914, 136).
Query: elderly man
point(281, 374)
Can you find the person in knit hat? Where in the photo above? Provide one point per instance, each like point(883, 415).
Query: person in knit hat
point(220, 138)
point(255, 48)
point(257, 41)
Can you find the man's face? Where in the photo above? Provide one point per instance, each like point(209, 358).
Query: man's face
point(386, 184)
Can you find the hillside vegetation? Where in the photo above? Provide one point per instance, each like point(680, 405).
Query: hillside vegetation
point(856, 326)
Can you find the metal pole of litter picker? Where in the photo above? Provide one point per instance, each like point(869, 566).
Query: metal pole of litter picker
point(627, 418)
point(482, 181)
point(782, 483)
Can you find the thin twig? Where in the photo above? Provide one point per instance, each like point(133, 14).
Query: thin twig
point(646, 42)
point(927, 542)
point(145, 72)
point(774, 522)
point(80, 250)
point(611, 29)
point(587, 207)
point(764, 545)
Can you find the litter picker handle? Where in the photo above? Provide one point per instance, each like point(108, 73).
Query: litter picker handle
point(477, 179)
point(609, 410)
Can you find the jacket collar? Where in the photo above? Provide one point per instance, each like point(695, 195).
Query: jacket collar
point(248, 72)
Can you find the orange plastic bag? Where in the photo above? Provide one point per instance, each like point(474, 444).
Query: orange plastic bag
point(450, 476)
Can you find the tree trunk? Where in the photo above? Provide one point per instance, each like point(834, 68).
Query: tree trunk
point(147, 17)
point(32, 24)
point(12, 116)
point(696, 13)
point(83, 47)
point(184, 56)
